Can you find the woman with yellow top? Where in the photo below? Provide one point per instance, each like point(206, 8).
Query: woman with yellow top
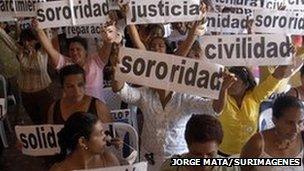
point(240, 106)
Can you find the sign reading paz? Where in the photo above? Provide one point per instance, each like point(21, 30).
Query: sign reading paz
point(163, 11)
point(169, 72)
point(248, 50)
point(39, 140)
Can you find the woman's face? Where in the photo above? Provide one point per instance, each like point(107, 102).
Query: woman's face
point(30, 44)
point(158, 45)
point(78, 53)
point(290, 124)
point(203, 150)
point(97, 140)
point(237, 88)
point(74, 87)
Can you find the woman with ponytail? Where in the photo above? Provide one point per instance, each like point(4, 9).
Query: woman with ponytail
point(82, 142)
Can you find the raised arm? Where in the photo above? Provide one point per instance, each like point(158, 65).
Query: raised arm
point(10, 43)
point(46, 43)
point(218, 105)
point(116, 85)
point(132, 30)
point(134, 35)
point(197, 29)
point(110, 36)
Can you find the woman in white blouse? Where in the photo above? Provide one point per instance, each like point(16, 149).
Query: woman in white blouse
point(33, 79)
point(165, 112)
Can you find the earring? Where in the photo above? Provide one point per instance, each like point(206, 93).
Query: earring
point(85, 147)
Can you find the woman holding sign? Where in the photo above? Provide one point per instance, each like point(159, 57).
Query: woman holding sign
point(82, 142)
point(33, 79)
point(165, 112)
point(72, 78)
point(92, 64)
point(240, 105)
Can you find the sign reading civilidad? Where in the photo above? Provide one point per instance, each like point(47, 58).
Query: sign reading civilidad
point(163, 11)
point(247, 50)
point(39, 140)
point(169, 72)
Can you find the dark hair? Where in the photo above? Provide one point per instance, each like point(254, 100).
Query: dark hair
point(245, 75)
point(79, 124)
point(284, 102)
point(203, 128)
point(80, 40)
point(27, 35)
point(302, 70)
point(70, 70)
point(169, 49)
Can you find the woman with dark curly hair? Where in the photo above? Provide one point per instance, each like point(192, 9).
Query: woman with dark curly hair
point(282, 141)
point(203, 135)
point(82, 142)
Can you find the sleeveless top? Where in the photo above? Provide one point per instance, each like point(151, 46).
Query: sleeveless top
point(278, 168)
point(57, 115)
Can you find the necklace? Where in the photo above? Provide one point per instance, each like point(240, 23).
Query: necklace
point(281, 144)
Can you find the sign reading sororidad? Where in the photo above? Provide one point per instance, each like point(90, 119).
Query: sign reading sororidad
point(72, 12)
point(169, 72)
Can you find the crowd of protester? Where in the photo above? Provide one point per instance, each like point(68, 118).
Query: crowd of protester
point(174, 124)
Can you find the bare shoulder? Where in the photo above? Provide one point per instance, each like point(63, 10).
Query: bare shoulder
point(110, 158)
point(58, 167)
point(253, 147)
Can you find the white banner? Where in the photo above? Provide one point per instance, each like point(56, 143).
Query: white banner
point(39, 140)
point(227, 22)
point(123, 115)
point(169, 72)
point(72, 12)
point(266, 4)
point(113, 4)
point(3, 109)
point(248, 4)
point(87, 31)
point(142, 166)
point(289, 22)
point(247, 50)
point(17, 8)
point(147, 11)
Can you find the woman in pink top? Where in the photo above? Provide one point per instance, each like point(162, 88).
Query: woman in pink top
point(78, 54)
